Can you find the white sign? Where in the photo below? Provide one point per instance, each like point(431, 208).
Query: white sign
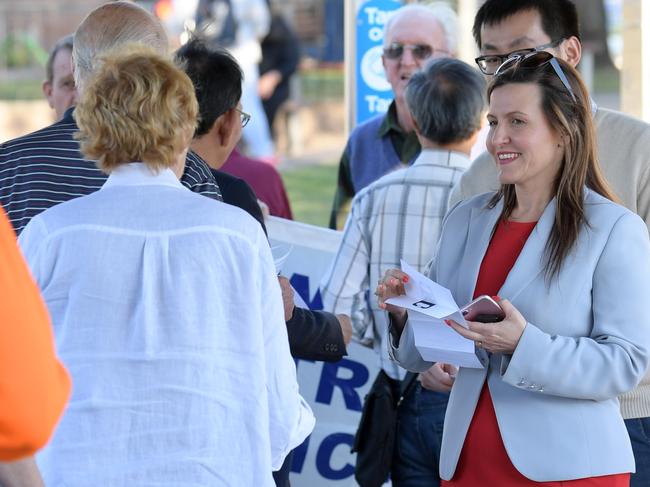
point(335, 391)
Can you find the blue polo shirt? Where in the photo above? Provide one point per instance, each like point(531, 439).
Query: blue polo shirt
point(44, 168)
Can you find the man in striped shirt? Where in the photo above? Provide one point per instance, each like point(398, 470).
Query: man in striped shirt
point(44, 168)
point(399, 216)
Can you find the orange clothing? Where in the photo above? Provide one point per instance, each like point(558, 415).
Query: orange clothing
point(34, 386)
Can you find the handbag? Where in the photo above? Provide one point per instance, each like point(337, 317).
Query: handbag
point(374, 441)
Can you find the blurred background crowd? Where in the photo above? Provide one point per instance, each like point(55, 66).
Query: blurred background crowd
point(305, 105)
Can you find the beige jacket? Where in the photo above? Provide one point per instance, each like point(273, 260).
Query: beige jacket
point(624, 155)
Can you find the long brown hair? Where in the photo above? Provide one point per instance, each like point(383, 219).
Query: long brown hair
point(573, 120)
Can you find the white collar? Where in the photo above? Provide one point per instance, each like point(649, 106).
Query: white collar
point(139, 174)
point(443, 158)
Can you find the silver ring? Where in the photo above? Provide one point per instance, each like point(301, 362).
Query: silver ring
point(479, 344)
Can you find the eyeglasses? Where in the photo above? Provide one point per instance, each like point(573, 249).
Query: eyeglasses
point(245, 117)
point(536, 60)
point(490, 63)
point(421, 52)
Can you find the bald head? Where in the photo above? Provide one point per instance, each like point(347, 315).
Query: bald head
point(110, 26)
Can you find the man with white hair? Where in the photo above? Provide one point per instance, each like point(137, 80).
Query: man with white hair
point(413, 35)
point(44, 168)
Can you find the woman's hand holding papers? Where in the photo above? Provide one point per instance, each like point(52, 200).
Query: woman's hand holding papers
point(390, 286)
point(501, 337)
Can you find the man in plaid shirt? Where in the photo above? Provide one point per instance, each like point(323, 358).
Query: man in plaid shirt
point(398, 217)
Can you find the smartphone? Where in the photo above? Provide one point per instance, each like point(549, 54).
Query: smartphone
point(483, 309)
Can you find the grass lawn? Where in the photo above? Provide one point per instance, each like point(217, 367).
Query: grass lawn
point(23, 89)
point(311, 192)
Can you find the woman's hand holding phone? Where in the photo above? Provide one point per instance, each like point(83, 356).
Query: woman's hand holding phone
point(483, 309)
point(501, 337)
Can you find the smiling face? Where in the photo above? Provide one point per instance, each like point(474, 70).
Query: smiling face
point(411, 29)
point(526, 149)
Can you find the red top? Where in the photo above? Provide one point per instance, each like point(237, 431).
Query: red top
point(264, 179)
point(484, 460)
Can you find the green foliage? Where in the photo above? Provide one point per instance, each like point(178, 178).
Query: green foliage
point(21, 89)
point(311, 192)
point(322, 84)
point(21, 51)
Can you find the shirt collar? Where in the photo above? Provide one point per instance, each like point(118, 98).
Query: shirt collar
point(139, 174)
point(67, 115)
point(390, 121)
point(443, 158)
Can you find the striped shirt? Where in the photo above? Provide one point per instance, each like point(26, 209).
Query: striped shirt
point(399, 216)
point(44, 168)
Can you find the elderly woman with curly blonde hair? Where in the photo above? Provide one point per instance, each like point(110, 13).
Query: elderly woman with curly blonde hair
point(165, 305)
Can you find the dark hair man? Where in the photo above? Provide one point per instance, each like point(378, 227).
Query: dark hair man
point(44, 168)
point(313, 335)
point(399, 216)
point(217, 96)
point(503, 28)
point(58, 87)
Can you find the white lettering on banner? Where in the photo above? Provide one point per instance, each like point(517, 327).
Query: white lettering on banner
point(372, 70)
point(376, 34)
point(376, 16)
point(335, 391)
point(377, 104)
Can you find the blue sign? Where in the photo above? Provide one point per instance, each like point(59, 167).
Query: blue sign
point(373, 92)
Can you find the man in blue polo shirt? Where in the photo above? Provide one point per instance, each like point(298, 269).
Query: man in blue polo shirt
point(45, 168)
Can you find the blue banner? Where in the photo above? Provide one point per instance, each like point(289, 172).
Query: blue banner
point(373, 93)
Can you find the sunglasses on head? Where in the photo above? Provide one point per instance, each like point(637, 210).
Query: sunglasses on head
point(490, 63)
point(535, 60)
point(420, 52)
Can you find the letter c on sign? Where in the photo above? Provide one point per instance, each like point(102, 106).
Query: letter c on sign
point(324, 456)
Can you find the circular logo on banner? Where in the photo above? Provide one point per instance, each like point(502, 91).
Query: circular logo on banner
point(372, 71)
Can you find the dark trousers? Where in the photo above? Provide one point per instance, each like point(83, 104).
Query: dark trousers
point(639, 431)
point(281, 477)
point(419, 436)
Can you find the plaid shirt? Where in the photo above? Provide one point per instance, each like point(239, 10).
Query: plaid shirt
point(397, 217)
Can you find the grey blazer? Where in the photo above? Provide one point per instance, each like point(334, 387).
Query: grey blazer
point(587, 341)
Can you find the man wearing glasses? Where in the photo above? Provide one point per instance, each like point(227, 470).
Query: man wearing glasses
point(412, 36)
point(507, 28)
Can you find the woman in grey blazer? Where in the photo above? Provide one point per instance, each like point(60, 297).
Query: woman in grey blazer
point(577, 327)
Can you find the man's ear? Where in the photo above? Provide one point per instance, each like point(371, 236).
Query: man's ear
point(415, 126)
point(571, 50)
point(47, 91)
point(230, 128)
point(221, 129)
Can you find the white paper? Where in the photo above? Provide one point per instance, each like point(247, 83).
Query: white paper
point(280, 252)
point(430, 304)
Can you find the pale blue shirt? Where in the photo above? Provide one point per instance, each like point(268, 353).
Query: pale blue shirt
point(168, 314)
